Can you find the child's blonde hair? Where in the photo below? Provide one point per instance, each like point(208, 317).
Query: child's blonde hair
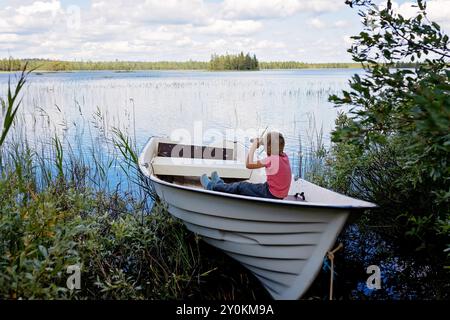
point(274, 143)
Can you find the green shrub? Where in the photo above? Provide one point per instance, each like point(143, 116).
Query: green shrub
point(122, 254)
point(393, 146)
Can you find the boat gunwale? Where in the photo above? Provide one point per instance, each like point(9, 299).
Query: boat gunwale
point(282, 202)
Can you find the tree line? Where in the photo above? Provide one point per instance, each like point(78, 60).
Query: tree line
point(304, 65)
point(217, 62)
point(57, 65)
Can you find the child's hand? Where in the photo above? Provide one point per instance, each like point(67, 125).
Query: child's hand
point(259, 142)
point(255, 142)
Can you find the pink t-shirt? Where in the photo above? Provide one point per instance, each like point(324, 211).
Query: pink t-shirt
point(279, 176)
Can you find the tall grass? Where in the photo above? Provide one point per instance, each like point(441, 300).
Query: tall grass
point(309, 158)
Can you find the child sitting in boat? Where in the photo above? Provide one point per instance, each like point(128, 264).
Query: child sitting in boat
point(278, 171)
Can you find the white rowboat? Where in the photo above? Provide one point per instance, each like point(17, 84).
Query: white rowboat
point(282, 242)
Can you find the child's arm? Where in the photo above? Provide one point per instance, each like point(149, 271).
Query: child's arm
point(249, 163)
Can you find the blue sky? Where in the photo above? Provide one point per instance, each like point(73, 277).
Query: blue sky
point(152, 30)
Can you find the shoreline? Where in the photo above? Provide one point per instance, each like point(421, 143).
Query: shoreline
point(181, 70)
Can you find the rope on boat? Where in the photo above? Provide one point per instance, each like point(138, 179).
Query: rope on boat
point(330, 255)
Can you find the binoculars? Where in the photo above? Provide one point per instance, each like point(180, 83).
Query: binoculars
point(261, 141)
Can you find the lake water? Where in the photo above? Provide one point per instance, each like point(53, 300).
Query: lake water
point(198, 103)
point(161, 102)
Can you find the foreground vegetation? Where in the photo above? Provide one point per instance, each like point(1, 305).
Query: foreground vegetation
point(122, 253)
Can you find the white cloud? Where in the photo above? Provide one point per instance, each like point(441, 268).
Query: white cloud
point(260, 9)
point(268, 44)
point(218, 44)
point(232, 28)
point(9, 37)
point(159, 34)
point(320, 24)
point(331, 50)
point(185, 42)
point(316, 23)
point(256, 9)
point(341, 24)
point(437, 10)
point(246, 45)
point(347, 40)
point(153, 11)
point(36, 17)
point(40, 7)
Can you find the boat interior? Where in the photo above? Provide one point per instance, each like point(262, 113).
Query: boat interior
point(183, 164)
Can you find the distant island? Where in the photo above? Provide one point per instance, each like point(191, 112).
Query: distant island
point(227, 62)
point(236, 62)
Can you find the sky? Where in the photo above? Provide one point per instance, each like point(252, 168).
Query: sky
point(178, 30)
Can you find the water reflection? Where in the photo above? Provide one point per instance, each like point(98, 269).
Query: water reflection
point(404, 276)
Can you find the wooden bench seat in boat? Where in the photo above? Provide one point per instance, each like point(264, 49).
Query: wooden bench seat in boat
point(191, 167)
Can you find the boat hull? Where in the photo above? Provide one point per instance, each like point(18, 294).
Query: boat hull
point(281, 244)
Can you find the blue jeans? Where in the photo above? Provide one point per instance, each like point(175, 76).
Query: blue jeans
point(260, 190)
